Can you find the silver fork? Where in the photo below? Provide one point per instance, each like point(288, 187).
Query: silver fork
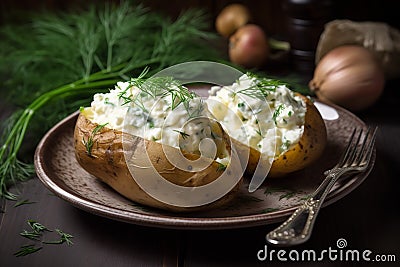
point(298, 227)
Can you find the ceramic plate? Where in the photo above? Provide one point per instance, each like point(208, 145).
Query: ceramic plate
point(274, 201)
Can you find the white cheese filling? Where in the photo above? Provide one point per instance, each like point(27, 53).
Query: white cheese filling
point(271, 122)
point(174, 119)
point(266, 116)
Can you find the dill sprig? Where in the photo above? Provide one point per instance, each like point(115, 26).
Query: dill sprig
point(71, 56)
point(64, 238)
point(261, 87)
point(26, 250)
point(37, 227)
point(30, 235)
point(221, 167)
point(183, 134)
point(90, 142)
point(160, 87)
point(23, 202)
point(277, 112)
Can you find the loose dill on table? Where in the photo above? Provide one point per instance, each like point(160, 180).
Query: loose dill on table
point(36, 235)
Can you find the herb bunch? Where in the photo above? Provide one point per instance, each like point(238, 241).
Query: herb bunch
point(53, 65)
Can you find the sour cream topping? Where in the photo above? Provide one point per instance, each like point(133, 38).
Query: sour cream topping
point(264, 114)
point(178, 119)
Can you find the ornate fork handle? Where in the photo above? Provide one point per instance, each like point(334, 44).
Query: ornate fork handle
point(298, 227)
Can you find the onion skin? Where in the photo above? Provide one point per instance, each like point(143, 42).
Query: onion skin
point(249, 46)
point(231, 18)
point(349, 76)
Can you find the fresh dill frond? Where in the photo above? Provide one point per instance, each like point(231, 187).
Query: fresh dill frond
point(26, 250)
point(261, 86)
point(258, 131)
point(38, 235)
point(287, 195)
point(138, 81)
point(183, 134)
point(64, 238)
point(72, 55)
point(277, 112)
point(221, 167)
point(160, 87)
point(24, 202)
point(90, 141)
point(196, 111)
point(30, 235)
point(37, 227)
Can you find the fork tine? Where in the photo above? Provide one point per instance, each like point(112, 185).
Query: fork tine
point(370, 148)
point(361, 154)
point(347, 151)
point(355, 152)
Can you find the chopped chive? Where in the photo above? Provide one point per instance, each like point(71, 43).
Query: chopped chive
point(221, 167)
point(23, 202)
point(37, 227)
point(287, 195)
point(33, 235)
point(26, 250)
point(183, 134)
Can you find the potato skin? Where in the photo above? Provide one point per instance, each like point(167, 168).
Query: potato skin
point(309, 148)
point(107, 162)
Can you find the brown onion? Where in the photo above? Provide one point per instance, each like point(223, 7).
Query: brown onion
point(349, 76)
point(231, 18)
point(249, 46)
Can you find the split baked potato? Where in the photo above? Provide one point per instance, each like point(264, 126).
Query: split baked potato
point(269, 124)
point(300, 155)
point(143, 139)
point(136, 164)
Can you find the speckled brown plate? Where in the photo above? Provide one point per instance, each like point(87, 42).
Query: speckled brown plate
point(276, 199)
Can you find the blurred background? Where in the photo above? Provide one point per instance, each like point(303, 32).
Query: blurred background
point(300, 22)
point(269, 14)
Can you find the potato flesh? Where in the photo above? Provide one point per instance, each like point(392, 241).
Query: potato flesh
point(309, 148)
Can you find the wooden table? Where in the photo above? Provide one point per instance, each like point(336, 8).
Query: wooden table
point(367, 218)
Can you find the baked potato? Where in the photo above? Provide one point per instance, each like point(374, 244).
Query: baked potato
point(149, 140)
point(269, 124)
point(140, 165)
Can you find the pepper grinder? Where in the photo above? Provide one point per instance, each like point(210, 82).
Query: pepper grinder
point(305, 20)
